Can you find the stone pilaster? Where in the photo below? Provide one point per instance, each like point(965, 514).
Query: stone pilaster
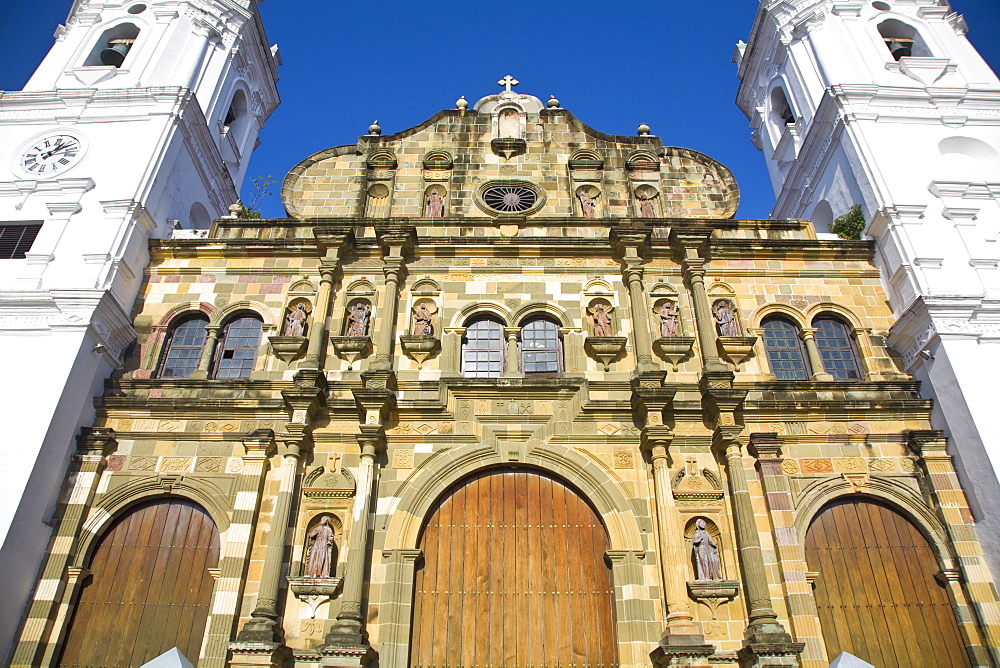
point(804, 619)
point(691, 245)
point(258, 447)
point(968, 580)
point(396, 242)
point(629, 243)
point(63, 573)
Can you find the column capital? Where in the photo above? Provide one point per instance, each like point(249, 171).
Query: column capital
point(652, 438)
point(372, 440)
point(928, 444)
point(331, 242)
point(374, 404)
point(396, 240)
point(95, 441)
point(689, 238)
point(765, 445)
point(628, 237)
point(260, 443)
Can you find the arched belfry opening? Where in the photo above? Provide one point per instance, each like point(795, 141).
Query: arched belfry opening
point(514, 573)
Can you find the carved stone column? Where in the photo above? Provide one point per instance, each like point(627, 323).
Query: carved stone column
point(629, 243)
point(263, 627)
point(332, 243)
point(691, 243)
point(260, 641)
point(513, 367)
point(765, 642)
point(808, 335)
point(395, 241)
point(207, 352)
point(766, 448)
point(35, 646)
point(347, 642)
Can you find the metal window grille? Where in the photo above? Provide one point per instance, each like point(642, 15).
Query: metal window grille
point(836, 348)
point(16, 240)
point(784, 350)
point(184, 348)
point(483, 349)
point(238, 352)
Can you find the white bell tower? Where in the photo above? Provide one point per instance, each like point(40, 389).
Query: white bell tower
point(887, 105)
point(138, 124)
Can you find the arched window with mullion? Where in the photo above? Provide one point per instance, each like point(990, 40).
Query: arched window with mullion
point(836, 348)
point(184, 346)
point(541, 349)
point(784, 349)
point(237, 352)
point(483, 354)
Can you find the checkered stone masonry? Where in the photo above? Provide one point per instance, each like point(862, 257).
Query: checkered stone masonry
point(55, 589)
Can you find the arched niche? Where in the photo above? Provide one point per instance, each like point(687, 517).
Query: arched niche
point(199, 217)
point(113, 46)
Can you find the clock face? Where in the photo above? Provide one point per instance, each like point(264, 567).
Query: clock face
point(50, 155)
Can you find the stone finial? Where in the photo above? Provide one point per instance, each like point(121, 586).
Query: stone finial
point(508, 82)
point(462, 103)
point(375, 129)
point(553, 103)
point(643, 130)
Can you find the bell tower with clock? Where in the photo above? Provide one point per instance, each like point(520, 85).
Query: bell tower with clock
point(138, 124)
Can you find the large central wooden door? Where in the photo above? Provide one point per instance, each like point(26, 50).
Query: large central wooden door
point(876, 595)
point(514, 574)
point(150, 589)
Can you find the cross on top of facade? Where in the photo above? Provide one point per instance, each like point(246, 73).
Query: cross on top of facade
point(509, 82)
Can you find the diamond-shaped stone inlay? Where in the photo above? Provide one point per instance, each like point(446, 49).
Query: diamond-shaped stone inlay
point(425, 428)
point(609, 429)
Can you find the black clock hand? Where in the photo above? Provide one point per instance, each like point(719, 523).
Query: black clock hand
point(59, 145)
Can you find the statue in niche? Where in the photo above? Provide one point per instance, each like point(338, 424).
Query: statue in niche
point(602, 321)
point(422, 325)
point(319, 554)
point(435, 204)
point(295, 321)
point(706, 553)
point(646, 207)
point(725, 318)
point(589, 205)
point(670, 323)
point(357, 320)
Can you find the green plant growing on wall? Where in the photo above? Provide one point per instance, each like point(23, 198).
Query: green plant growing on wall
point(850, 225)
point(261, 189)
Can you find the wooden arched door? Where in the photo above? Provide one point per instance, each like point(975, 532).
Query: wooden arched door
point(876, 593)
point(150, 588)
point(514, 574)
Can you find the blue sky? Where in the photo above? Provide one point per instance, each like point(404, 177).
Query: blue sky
point(613, 64)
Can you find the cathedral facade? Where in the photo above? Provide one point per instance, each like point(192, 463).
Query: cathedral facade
point(504, 390)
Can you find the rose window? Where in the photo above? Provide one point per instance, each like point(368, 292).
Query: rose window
point(509, 199)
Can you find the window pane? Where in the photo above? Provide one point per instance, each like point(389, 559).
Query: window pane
point(784, 350)
point(483, 349)
point(239, 348)
point(184, 350)
point(540, 347)
point(836, 348)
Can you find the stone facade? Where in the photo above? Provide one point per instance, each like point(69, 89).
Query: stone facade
point(370, 428)
point(911, 136)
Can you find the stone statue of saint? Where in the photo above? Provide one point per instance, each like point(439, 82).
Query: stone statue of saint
point(602, 321)
point(435, 204)
point(726, 319)
point(646, 208)
point(589, 205)
point(670, 324)
point(319, 554)
point(295, 322)
point(706, 554)
point(357, 320)
point(422, 321)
